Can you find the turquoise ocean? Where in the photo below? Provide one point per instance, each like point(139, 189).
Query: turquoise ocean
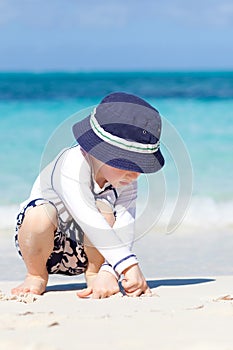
point(199, 105)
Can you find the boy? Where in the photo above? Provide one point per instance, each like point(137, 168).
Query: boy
point(81, 211)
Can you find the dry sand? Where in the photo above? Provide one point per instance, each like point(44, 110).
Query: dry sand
point(184, 313)
point(193, 308)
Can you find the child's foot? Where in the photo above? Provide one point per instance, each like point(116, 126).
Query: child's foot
point(32, 284)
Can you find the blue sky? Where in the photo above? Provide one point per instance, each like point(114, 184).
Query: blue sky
point(74, 35)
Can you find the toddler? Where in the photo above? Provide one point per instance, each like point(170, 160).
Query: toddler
point(81, 211)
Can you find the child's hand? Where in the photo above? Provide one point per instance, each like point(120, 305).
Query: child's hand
point(134, 282)
point(103, 286)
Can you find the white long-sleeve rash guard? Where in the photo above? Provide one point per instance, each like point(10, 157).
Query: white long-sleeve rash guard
point(68, 183)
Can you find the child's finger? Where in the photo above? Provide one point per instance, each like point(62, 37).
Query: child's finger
point(135, 293)
point(147, 292)
point(84, 292)
point(132, 290)
point(139, 293)
point(126, 284)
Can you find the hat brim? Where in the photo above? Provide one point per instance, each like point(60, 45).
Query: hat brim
point(115, 156)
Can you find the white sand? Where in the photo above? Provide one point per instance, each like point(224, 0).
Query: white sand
point(187, 314)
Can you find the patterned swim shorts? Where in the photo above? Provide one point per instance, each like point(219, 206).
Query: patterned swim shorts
point(68, 256)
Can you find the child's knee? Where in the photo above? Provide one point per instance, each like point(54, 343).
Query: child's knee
point(40, 219)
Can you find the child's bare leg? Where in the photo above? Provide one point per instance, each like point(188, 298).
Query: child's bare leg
point(36, 241)
point(95, 259)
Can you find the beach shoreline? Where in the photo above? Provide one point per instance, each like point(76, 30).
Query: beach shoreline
point(190, 269)
point(182, 253)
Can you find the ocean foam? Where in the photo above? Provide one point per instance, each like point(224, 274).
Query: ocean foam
point(203, 213)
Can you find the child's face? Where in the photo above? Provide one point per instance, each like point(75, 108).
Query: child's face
point(117, 177)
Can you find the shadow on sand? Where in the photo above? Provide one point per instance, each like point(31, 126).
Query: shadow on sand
point(151, 284)
point(178, 282)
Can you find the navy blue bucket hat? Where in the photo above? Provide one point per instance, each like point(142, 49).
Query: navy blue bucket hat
point(123, 131)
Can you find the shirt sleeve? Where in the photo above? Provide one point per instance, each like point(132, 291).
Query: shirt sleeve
point(72, 185)
point(125, 211)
